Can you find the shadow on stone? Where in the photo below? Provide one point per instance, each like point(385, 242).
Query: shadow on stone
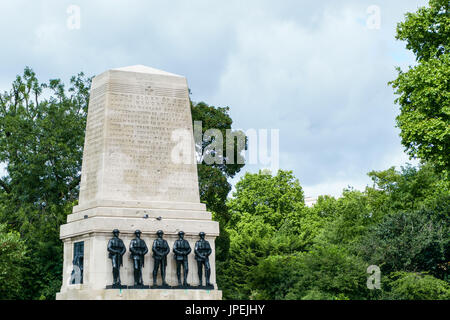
point(139, 287)
point(161, 287)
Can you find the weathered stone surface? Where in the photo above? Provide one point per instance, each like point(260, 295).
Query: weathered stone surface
point(130, 181)
point(136, 294)
point(130, 212)
point(133, 113)
point(147, 226)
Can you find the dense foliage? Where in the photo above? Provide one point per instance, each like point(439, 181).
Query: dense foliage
point(12, 261)
point(424, 90)
point(41, 144)
point(281, 249)
point(213, 177)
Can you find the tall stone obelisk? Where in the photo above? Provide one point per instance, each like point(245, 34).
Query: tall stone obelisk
point(132, 178)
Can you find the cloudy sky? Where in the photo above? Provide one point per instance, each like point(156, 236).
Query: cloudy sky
point(315, 70)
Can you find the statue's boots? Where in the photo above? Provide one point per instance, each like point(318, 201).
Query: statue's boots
point(163, 277)
point(136, 277)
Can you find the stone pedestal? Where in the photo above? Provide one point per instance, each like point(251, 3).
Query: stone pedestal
point(139, 125)
point(136, 294)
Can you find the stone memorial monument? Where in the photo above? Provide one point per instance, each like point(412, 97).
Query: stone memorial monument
point(138, 173)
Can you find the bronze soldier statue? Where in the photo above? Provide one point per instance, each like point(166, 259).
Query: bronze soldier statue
point(116, 250)
point(160, 250)
point(202, 251)
point(181, 249)
point(138, 250)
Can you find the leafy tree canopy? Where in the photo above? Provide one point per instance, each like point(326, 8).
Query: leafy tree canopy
point(42, 128)
point(41, 143)
point(12, 259)
point(424, 90)
point(416, 286)
point(274, 198)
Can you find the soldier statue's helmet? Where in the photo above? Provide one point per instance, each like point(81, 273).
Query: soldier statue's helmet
point(181, 233)
point(159, 232)
point(202, 234)
point(137, 232)
point(116, 231)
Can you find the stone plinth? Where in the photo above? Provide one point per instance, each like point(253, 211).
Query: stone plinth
point(132, 179)
point(137, 294)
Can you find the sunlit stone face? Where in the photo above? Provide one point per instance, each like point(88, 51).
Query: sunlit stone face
point(128, 152)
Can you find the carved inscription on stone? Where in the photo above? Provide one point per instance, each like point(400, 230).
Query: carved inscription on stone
point(128, 146)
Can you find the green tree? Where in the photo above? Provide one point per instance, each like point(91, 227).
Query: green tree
point(265, 212)
point(276, 198)
point(413, 241)
point(12, 259)
point(329, 273)
point(41, 140)
point(350, 221)
point(411, 234)
point(41, 143)
point(42, 128)
point(249, 244)
point(416, 286)
point(275, 276)
point(213, 184)
point(424, 90)
point(213, 178)
point(314, 220)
